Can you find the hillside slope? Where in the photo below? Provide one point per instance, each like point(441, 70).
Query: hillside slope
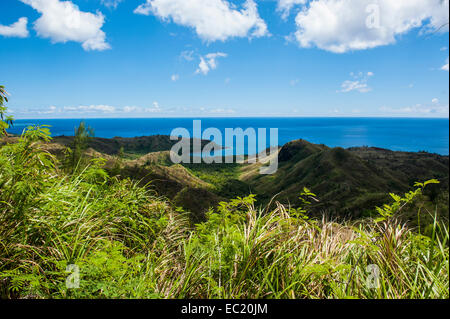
point(346, 181)
point(349, 182)
point(130, 145)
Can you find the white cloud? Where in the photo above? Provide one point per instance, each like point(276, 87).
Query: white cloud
point(111, 3)
point(93, 108)
point(285, 6)
point(209, 62)
point(62, 21)
point(129, 109)
point(108, 109)
point(222, 111)
point(112, 109)
point(93, 111)
point(155, 109)
point(433, 109)
point(17, 29)
point(418, 110)
point(73, 109)
point(344, 25)
point(203, 67)
point(359, 83)
point(187, 55)
point(50, 110)
point(212, 19)
point(359, 86)
point(152, 110)
point(445, 66)
point(175, 77)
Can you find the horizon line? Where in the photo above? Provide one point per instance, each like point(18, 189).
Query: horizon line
point(236, 117)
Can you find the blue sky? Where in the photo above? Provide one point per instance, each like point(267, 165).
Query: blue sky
point(213, 58)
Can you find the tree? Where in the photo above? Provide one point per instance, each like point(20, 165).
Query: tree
point(83, 134)
point(6, 120)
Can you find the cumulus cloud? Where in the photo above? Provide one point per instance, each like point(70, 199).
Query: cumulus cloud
point(17, 29)
point(175, 77)
point(212, 19)
point(62, 21)
point(358, 83)
point(285, 6)
point(345, 25)
point(209, 62)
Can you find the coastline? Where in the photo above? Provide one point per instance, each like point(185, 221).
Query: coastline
point(397, 134)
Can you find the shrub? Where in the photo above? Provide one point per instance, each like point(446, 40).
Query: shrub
point(128, 243)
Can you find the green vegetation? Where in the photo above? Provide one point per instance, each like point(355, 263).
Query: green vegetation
point(129, 243)
point(350, 182)
point(98, 228)
point(75, 156)
point(214, 173)
point(5, 121)
point(224, 178)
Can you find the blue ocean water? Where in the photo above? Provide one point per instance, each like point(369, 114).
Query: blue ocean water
point(400, 134)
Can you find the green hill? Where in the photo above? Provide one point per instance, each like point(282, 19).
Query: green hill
point(349, 182)
point(128, 242)
point(132, 146)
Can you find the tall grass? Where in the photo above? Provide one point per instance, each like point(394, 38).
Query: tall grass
point(129, 243)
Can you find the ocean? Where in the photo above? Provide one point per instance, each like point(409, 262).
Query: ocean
point(399, 134)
